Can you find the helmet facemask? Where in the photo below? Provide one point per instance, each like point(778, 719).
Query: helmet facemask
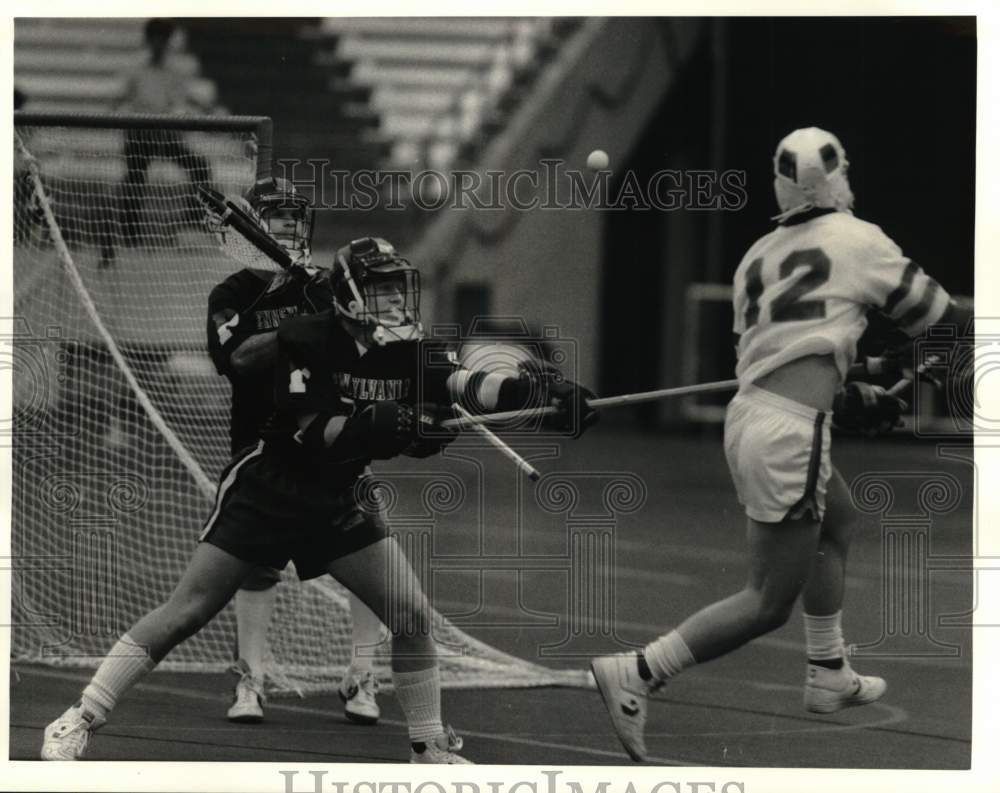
point(289, 219)
point(810, 171)
point(378, 291)
point(285, 214)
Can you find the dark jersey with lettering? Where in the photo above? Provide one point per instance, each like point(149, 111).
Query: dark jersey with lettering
point(240, 307)
point(322, 368)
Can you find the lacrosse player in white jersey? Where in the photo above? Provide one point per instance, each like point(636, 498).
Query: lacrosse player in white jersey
point(800, 297)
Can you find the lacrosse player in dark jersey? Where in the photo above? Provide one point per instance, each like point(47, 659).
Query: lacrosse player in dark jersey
point(244, 313)
point(352, 383)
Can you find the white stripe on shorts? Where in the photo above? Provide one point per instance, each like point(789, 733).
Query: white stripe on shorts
point(224, 488)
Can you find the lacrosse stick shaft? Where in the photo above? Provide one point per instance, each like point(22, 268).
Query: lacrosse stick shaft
point(906, 382)
point(663, 393)
point(232, 216)
point(602, 402)
point(522, 464)
point(900, 387)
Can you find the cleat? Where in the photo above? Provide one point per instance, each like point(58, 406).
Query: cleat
point(357, 692)
point(248, 697)
point(625, 696)
point(66, 738)
point(830, 690)
point(442, 749)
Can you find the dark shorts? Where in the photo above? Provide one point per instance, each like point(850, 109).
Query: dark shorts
point(268, 514)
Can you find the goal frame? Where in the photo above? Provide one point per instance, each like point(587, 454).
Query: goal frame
point(471, 664)
point(261, 126)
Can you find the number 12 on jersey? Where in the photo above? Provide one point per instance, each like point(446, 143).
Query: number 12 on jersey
point(799, 273)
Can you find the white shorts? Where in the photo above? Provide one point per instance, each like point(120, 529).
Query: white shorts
point(778, 452)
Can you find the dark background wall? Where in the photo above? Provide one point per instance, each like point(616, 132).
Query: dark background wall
point(899, 92)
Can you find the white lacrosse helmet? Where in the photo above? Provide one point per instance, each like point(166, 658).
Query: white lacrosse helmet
point(810, 170)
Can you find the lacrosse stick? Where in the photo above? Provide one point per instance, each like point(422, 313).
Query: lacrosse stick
point(920, 371)
point(601, 402)
point(522, 464)
point(231, 215)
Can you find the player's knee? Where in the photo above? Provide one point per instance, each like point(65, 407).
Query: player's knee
point(185, 616)
point(772, 613)
point(409, 617)
point(261, 578)
point(834, 545)
point(182, 625)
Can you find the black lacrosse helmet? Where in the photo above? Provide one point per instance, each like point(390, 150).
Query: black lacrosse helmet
point(285, 214)
point(379, 290)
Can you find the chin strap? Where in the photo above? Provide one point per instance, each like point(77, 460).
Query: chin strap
point(383, 334)
point(781, 217)
point(371, 332)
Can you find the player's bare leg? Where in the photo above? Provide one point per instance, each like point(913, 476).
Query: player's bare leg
point(831, 684)
point(381, 576)
point(781, 556)
point(823, 593)
point(208, 583)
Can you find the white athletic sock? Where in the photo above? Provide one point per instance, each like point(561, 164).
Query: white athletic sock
point(824, 638)
point(253, 614)
point(668, 656)
point(123, 667)
point(366, 634)
point(419, 695)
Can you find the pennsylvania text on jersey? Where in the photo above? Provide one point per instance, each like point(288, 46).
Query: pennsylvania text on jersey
point(270, 318)
point(369, 388)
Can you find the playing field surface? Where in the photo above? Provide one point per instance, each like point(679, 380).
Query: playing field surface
point(682, 548)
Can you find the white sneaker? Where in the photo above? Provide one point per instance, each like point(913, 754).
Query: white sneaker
point(357, 692)
point(442, 749)
point(625, 696)
point(830, 690)
point(66, 738)
point(248, 697)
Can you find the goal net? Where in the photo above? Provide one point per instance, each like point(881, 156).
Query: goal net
point(120, 423)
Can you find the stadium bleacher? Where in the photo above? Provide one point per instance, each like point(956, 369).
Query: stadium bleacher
point(415, 91)
point(360, 93)
point(78, 65)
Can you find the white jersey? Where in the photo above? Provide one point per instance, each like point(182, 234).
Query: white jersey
point(804, 289)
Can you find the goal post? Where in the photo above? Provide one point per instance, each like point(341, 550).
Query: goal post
point(120, 422)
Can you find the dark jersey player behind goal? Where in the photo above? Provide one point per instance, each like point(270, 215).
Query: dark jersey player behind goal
point(244, 313)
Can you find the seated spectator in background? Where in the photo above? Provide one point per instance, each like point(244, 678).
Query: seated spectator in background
point(158, 88)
